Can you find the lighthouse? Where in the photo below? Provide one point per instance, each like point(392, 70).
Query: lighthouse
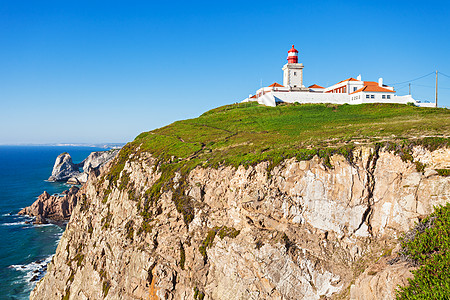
point(293, 72)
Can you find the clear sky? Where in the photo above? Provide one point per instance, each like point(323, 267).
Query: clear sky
point(104, 71)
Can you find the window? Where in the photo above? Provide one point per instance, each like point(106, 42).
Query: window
point(372, 96)
point(295, 73)
point(389, 96)
point(367, 96)
point(384, 96)
point(355, 88)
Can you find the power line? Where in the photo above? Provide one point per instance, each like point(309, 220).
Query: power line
point(412, 79)
point(444, 74)
point(443, 88)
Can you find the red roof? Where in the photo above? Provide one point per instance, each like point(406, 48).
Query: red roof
point(254, 96)
point(315, 86)
point(275, 85)
point(373, 88)
point(292, 50)
point(350, 79)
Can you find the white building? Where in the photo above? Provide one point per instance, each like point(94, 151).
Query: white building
point(351, 91)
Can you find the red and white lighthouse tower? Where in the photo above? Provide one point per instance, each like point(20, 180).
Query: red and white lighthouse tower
point(292, 56)
point(293, 72)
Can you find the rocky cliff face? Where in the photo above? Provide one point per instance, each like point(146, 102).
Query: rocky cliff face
point(298, 231)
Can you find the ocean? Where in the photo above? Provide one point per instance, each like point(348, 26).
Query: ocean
point(25, 249)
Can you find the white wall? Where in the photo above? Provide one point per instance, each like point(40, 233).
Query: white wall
point(305, 97)
point(289, 79)
point(270, 99)
point(379, 98)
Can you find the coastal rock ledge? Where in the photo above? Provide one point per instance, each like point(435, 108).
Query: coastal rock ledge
point(55, 207)
point(297, 230)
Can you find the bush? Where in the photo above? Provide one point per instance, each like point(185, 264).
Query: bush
point(428, 245)
point(443, 172)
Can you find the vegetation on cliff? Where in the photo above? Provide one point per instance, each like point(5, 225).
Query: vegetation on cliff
point(428, 245)
point(248, 133)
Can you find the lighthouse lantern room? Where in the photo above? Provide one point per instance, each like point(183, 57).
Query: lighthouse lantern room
point(292, 56)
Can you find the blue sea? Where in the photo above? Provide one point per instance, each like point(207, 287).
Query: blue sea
point(25, 249)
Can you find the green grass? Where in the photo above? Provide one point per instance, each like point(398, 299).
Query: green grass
point(248, 133)
point(428, 245)
point(235, 134)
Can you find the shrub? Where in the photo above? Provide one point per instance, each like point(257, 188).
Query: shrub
point(182, 256)
point(428, 245)
point(443, 172)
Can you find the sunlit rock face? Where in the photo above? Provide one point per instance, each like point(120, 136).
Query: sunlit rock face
point(300, 231)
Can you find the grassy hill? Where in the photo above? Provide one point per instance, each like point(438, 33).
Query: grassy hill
point(247, 133)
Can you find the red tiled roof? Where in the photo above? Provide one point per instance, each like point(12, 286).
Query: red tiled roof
point(315, 86)
point(254, 96)
point(350, 79)
point(275, 85)
point(372, 88)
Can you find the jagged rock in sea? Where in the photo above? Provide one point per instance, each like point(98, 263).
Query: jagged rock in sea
point(297, 230)
point(55, 207)
point(64, 168)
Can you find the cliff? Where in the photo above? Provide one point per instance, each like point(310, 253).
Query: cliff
point(188, 219)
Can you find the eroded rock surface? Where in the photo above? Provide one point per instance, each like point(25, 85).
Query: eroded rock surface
point(303, 231)
point(55, 207)
point(64, 168)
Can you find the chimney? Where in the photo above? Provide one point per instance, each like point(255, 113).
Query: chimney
point(359, 77)
point(380, 82)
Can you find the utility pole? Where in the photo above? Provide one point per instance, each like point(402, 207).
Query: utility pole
point(410, 89)
point(436, 87)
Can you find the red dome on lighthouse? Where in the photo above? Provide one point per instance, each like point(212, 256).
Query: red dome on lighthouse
point(292, 56)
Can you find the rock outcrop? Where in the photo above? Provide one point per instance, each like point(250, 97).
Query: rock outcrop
point(55, 207)
point(97, 159)
point(65, 170)
point(299, 230)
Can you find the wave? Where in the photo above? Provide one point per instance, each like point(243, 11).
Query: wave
point(16, 223)
point(34, 271)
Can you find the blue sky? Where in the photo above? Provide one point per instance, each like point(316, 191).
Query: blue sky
point(104, 71)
